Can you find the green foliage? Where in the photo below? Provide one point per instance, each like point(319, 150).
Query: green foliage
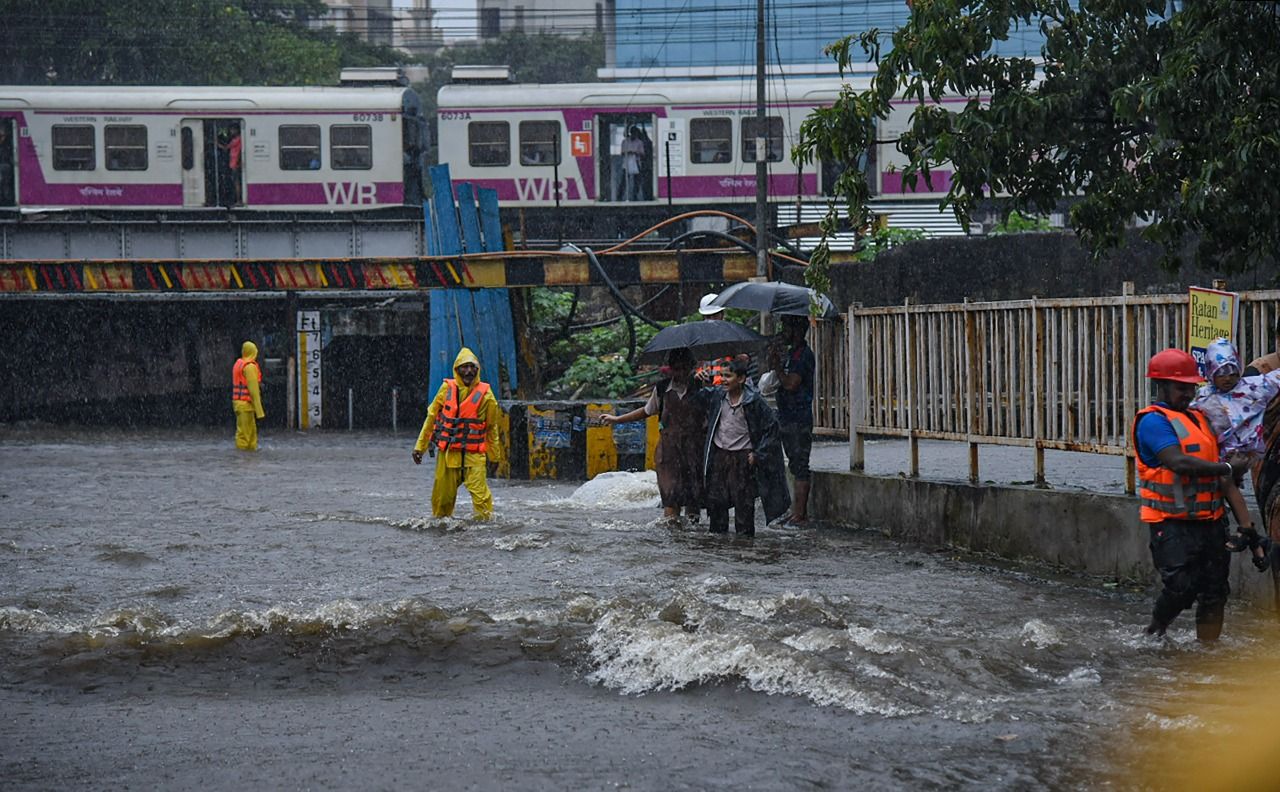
point(176, 42)
point(548, 308)
point(1167, 111)
point(883, 239)
point(609, 376)
point(1018, 223)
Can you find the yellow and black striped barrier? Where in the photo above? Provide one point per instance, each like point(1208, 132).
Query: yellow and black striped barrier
point(565, 440)
point(485, 270)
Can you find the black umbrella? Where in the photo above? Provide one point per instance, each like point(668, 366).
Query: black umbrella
point(705, 339)
point(775, 298)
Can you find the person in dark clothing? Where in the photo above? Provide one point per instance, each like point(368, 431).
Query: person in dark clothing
point(742, 457)
point(794, 365)
point(682, 416)
point(1183, 487)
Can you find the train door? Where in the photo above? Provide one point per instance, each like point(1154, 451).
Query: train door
point(8, 156)
point(192, 136)
point(212, 162)
point(624, 156)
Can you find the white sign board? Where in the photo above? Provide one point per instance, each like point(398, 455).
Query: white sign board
point(670, 147)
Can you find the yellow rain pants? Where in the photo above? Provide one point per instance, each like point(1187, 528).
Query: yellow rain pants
point(246, 430)
point(444, 494)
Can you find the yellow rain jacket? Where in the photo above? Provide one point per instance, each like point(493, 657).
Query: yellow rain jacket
point(453, 467)
point(247, 412)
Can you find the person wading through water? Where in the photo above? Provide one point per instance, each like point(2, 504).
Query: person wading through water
point(1182, 487)
point(462, 423)
point(682, 417)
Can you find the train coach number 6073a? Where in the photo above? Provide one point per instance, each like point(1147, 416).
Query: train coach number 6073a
point(454, 115)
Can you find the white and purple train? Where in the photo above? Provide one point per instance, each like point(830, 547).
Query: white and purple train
point(685, 143)
point(172, 148)
point(605, 145)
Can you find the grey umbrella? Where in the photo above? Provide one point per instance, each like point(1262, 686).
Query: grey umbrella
point(775, 298)
point(706, 340)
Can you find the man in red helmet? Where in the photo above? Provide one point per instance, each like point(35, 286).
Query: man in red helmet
point(1184, 490)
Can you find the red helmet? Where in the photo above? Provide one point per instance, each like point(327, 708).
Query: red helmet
point(1174, 364)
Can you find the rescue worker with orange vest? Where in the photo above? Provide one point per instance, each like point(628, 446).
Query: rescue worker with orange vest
point(246, 396)
point(462, 424)
point(1184, 490)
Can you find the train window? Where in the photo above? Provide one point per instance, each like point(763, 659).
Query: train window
point(773, 131)
point(489, 143)
point(539, 142)
point(73, 147)
point(299, 147)
point(351, 146)
point(188, 149)
point(711, 139)
point(125, 147)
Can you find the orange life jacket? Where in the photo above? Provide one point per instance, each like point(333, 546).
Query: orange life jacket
point(1168, 496)
point(459, 427)
point(240, 385)
point(716, 368)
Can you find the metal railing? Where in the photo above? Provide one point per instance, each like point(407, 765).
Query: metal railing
point(1057, 374)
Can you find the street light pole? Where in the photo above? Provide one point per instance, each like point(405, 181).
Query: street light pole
point(762, 164)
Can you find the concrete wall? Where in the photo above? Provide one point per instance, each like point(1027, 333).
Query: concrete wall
point(1086, 532)
point(1015, 267)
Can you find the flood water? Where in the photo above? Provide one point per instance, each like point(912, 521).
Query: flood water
point(175, 614)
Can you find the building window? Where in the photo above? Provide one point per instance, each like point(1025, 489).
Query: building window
point(489, 143)
point(599, 17)
point(490, 22)
point(711, 140)
point(773, 131)
point(125, 147)
point(539, 142)
point(300, 148)
point(351, 147)
point(73, 147)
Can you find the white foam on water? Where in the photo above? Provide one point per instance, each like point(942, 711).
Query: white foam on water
point(1040, 635)
point(521, 542)
point(636, 656)
point(1183, 723)
point(618, 490)
point(1081, 677)
point(816, 639)
point(874, 641)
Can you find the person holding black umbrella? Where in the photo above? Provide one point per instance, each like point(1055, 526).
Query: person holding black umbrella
point(682, 416)
point(793, 363)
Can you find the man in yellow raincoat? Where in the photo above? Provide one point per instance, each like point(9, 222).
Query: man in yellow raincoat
point(246, 397)
point(462, 423)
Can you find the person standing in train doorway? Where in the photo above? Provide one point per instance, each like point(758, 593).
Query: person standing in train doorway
point(246, 396)
point(632, 151)
point(233, 146)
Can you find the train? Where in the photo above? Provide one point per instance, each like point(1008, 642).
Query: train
point(189, 148)
point(593, 150)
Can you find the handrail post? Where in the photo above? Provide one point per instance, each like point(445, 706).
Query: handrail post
point(909, 339)
point(1038, 407)
point(972, 366)
point(1130, 344)
point(857, 388)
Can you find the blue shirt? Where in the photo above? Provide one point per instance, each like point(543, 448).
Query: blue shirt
point(1155, 434)
point(796, 407)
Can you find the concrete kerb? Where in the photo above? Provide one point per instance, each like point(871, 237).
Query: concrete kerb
point(1093, 533)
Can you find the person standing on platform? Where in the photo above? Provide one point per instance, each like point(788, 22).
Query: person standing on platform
point(1183, 487)
point(246, 396)
point(462, 424)
point(682, 418)
point(794, 365)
